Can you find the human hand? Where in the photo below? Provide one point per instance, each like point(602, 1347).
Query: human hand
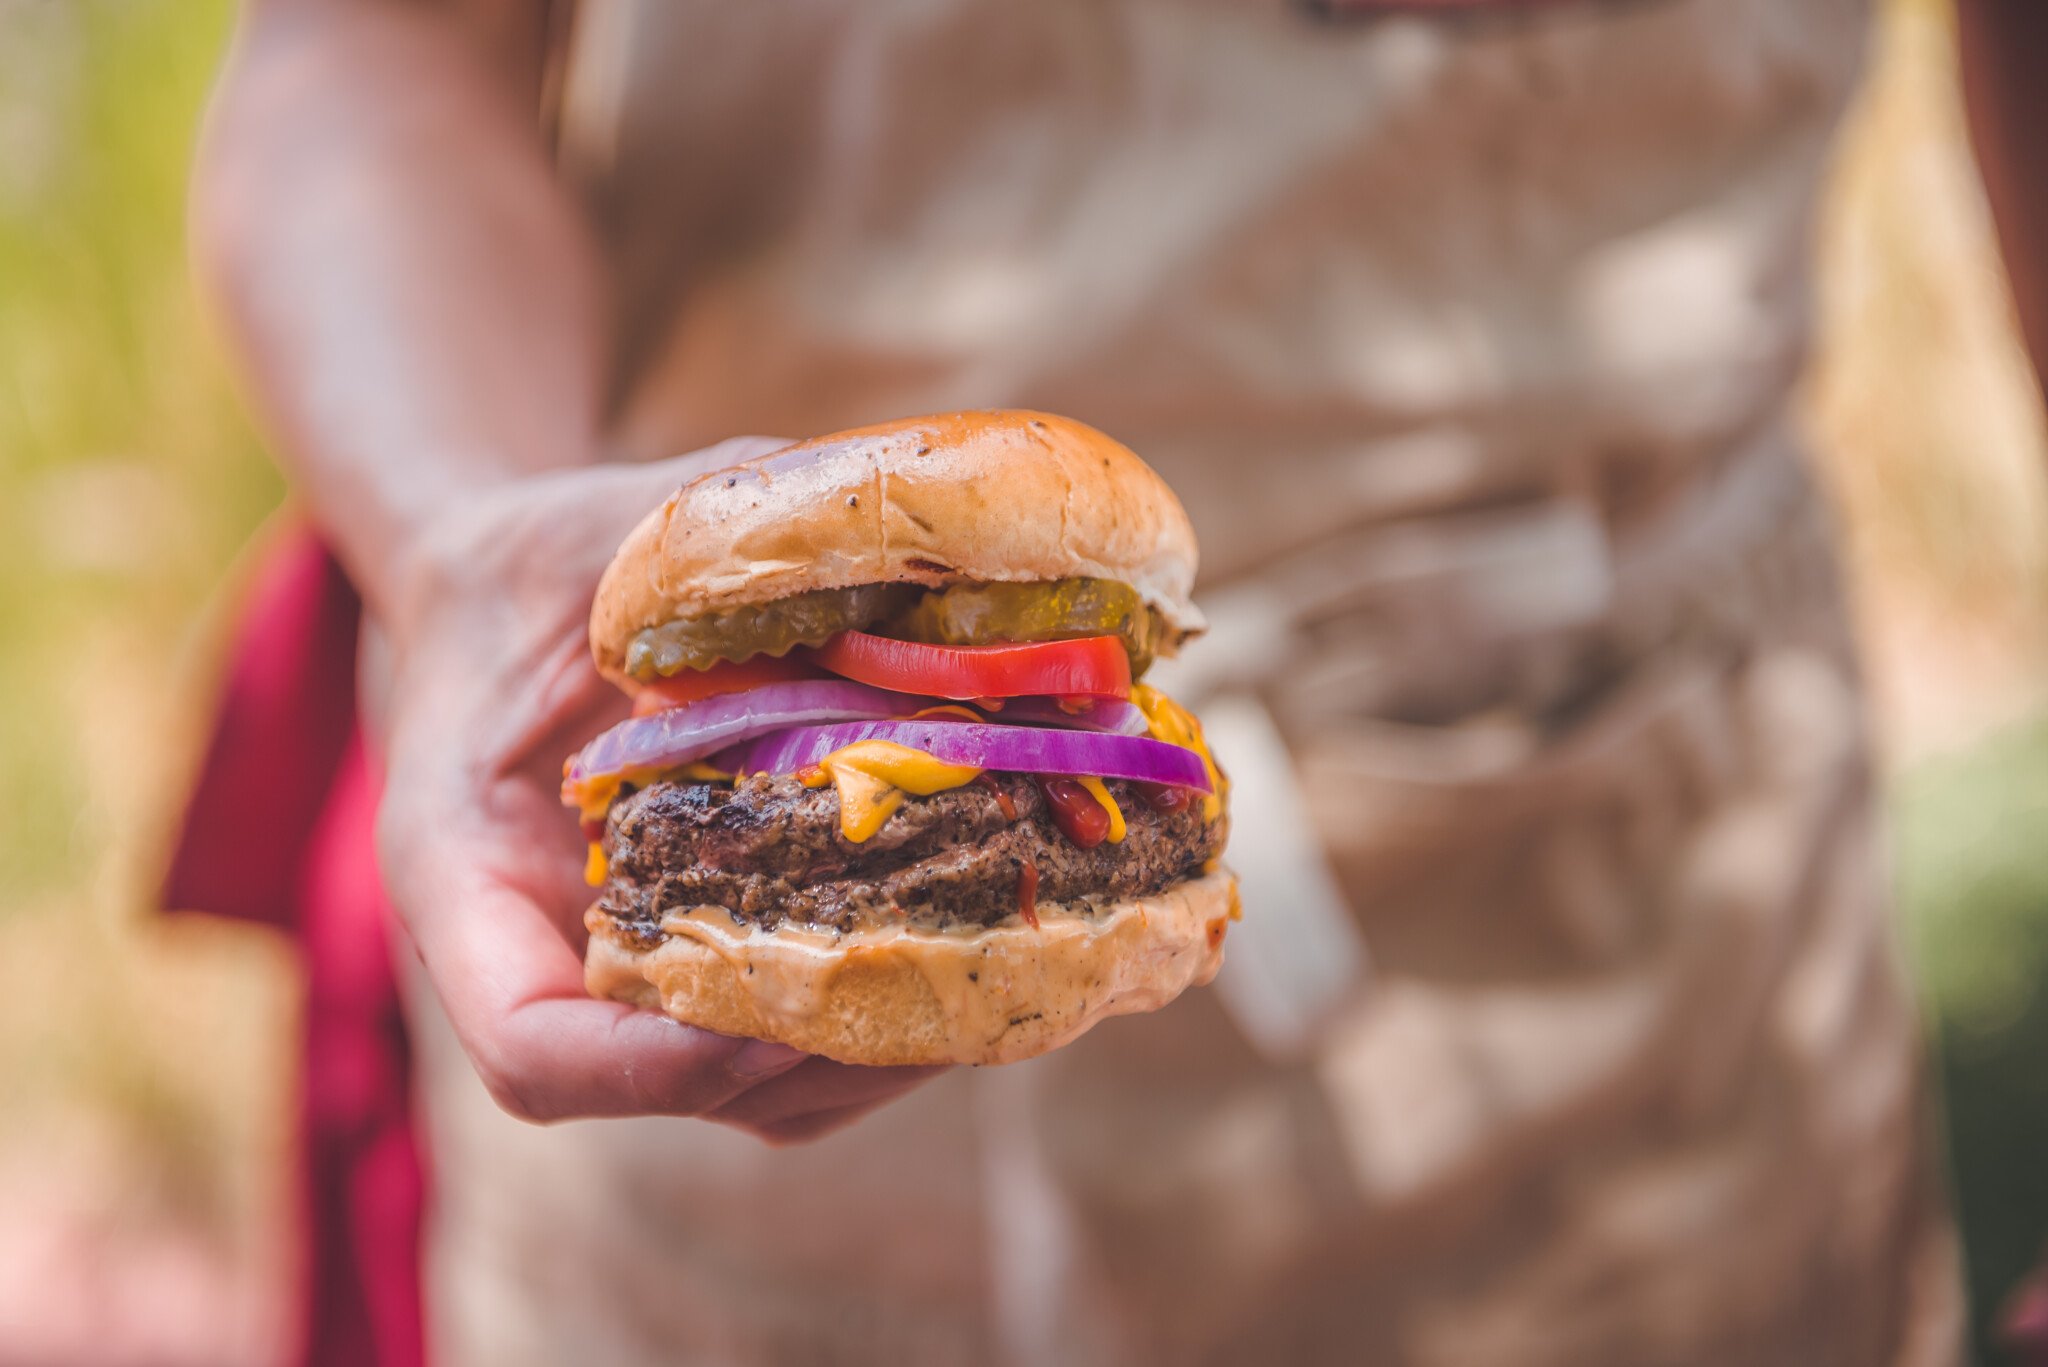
point(490, 685)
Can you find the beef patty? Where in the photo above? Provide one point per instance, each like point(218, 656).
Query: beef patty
point(769, 849)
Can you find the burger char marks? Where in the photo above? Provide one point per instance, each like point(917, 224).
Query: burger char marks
point(770, 850)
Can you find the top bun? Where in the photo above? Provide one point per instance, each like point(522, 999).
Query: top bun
point(978, 497)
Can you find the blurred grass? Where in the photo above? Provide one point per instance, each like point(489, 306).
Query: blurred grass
point(1929, 425)
point(154, 1059)
point(147, 1057)
point(1975, 888)
point(127, 479)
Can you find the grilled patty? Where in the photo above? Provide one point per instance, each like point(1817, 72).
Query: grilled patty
point(769, 849)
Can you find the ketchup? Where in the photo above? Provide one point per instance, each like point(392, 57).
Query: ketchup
point(1027, 894)
point(1075, 811)
point(1004, 802)
point(1164, 797)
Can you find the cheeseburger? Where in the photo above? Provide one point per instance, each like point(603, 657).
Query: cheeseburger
point(892, 791)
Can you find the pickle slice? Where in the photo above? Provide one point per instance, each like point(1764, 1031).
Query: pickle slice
point(961, 615)
point(1059, 610)
point(805, 619)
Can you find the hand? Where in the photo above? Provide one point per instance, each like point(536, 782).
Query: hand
point(490, 687)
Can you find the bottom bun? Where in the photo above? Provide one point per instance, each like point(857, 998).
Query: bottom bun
point(909, 996)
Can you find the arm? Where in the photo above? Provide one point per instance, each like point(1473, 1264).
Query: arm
point(416, 307)
point(2004, 49)
point(413, 300)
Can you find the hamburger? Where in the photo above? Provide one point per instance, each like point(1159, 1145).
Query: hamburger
point(893, 790)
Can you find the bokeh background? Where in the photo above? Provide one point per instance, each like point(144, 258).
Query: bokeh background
point(145, 1063)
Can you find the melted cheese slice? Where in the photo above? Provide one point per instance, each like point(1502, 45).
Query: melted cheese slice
point(594, 797)
point(873, 775)
point(1174, 724)
point(1100, 791)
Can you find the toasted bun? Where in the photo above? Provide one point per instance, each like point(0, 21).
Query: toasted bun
point(907, 996)
point(982, 497)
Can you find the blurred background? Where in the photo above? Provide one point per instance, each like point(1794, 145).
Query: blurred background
point(143, 1062)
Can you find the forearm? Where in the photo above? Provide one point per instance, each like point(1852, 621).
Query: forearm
point(2004, 50)
point(412, 299)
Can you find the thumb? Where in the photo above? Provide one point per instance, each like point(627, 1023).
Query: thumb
point(663, 477)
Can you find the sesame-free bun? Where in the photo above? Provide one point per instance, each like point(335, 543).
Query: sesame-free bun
point(979, 497)
point(913, 996)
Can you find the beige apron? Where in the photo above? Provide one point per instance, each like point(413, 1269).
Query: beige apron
point(1468, 342)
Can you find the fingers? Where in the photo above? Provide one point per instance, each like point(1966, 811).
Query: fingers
point(476, 870)
point(513, 990)
point(560, 1059)
point(656, 480)
point(514, 993)
point(816, 1098)
point(731, 451)
point(808, 1129)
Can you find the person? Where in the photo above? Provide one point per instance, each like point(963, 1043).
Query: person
point(1467, 333)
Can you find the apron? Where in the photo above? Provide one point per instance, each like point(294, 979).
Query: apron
point(1563, 1026)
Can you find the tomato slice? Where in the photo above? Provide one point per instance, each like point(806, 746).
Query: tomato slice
point(1094, 667)
point(695, 685)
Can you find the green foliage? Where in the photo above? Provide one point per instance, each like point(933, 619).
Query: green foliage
point(1973, 836)
point(127, 477)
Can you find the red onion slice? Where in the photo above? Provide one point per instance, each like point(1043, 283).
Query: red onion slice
point(680, 735)
point(1018, 749)
point(1113, 715)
